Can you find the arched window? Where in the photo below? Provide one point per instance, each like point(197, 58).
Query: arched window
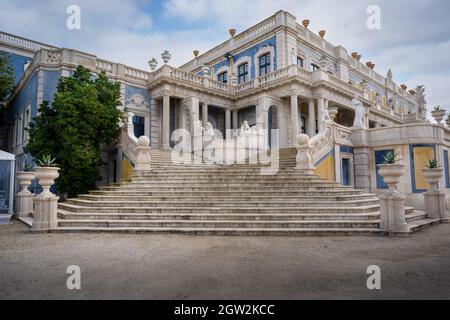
point(264, 64)
point(223, 77)
point(243, 73)
point(314, 67)
point(300, 62)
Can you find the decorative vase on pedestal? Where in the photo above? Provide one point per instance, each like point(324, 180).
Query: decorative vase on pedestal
point(391, 174)
point(46, 177)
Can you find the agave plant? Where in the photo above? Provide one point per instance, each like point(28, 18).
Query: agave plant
point(46, 161)
point(433, 164)
point(390, 158)
point(438, 108)
point(26, 166)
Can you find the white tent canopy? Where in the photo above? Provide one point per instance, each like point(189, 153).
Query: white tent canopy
point(7, 162)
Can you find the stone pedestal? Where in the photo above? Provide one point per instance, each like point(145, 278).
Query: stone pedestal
point(393, 217)
point(45, 215)
point(24, 204)
point(435, 205)
point(143, 161)
point(304, 160)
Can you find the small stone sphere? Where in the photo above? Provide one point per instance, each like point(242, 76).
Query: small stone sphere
point(302, 139)
point(143, 141)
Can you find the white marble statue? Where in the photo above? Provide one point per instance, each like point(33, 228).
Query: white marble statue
point(209, 132)
point(360, 114)
point(245, 128)
point(421, 101)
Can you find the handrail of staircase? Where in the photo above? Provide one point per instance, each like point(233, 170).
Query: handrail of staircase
point(128, 141)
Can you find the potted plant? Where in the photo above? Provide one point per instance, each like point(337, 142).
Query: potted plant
point(438, 114)
point(391, 171)
point(46, 173)
point(166, 55)
point(25, 177)
point(433, 174)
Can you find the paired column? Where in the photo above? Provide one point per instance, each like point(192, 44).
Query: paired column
point(311, 127)
point(235, 119)
point(320, 114)
point(294, 119)
point(227, 122)
point(166, 123)
point(204, 114)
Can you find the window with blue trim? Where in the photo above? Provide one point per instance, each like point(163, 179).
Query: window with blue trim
point(223, 77)
point(139, 126)
point(264, 64)
point(243, 72)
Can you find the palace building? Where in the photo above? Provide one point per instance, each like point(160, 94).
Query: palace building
point(277, 74)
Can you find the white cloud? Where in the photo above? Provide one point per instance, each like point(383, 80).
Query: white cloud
point(414, 39)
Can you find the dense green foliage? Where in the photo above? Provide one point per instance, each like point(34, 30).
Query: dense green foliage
point(6, 76)
point(82, 117)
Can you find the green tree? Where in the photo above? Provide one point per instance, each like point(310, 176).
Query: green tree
point(6, 76)
point(82, 117)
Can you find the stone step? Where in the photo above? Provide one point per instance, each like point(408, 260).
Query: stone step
point(221, 187)
point(414, 215)
point(248, 217)
point(421, 224)
point(373, 208)
point(231, 192)
point(232, 231)
point(218, 224)
point(224, 197)
point(224, 204)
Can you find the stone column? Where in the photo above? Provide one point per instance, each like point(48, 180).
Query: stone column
point(166, 123)
point(227, 123)
point(294, 119)
point(320, 111)
point(204, 114)
point(235, 119)
point(45, 215)
point(362, 169)
point(311, 126)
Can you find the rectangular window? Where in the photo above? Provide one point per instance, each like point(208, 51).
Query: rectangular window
point(299, 62)
point(314, 67)
point(264, 64)
point(27, 124)
point(139, 126)
point(19, 129)
point(223, 77)
point(243, 73)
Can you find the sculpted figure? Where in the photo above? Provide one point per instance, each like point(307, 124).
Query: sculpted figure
point(209, 132)
point(360, 114)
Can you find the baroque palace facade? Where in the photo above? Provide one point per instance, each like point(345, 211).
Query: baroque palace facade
point(276, 75)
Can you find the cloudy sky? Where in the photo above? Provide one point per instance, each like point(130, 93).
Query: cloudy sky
point(414, 39)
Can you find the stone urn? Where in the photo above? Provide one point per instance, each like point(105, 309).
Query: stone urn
point(46, 177)
point(438, 115)
point(433, 177)
point(166, 56)
point(391, 174)
point(153, 63)
point(24, 178)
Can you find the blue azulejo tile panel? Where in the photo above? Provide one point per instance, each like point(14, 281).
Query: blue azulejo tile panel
point(251, 53)
point(379, 159)
point(136, 97)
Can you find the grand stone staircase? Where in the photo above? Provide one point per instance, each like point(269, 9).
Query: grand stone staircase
point(236, 200)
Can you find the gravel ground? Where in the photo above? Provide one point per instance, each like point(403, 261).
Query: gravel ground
point(126, 266)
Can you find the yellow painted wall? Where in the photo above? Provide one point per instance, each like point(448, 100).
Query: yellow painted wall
point(127, 169)
point(421, 157)
point(326, 169)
